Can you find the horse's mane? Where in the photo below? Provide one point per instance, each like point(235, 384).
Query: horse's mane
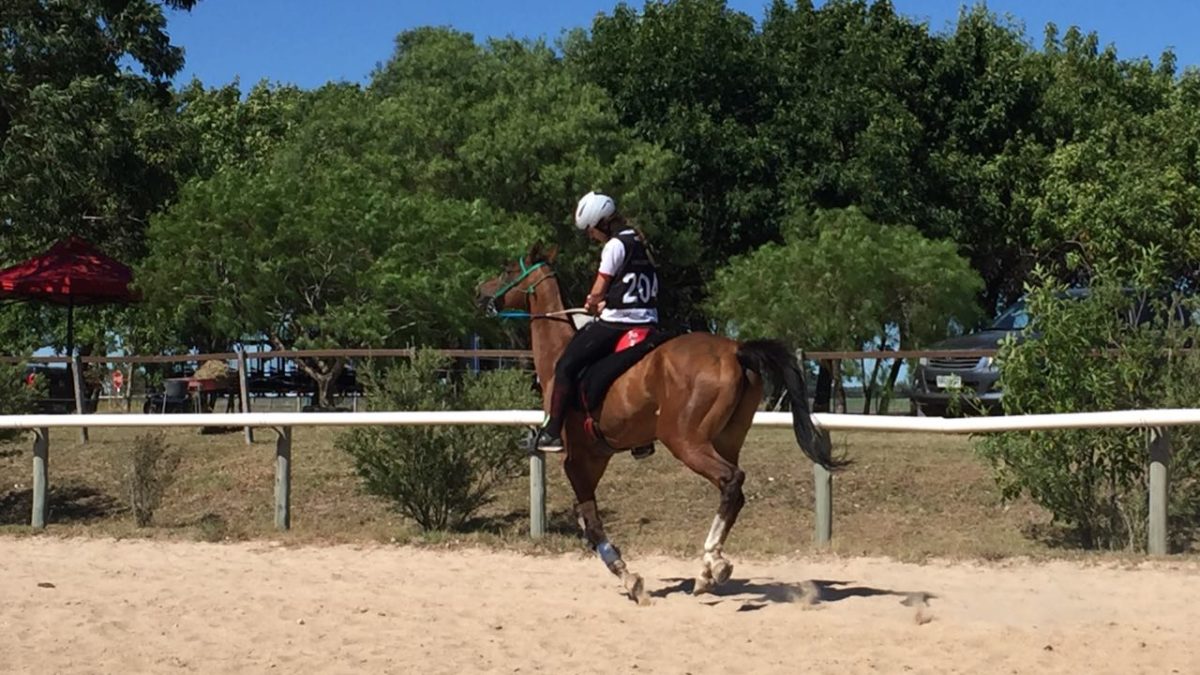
point(541, 257)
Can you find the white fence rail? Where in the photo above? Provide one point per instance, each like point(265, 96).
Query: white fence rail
point(1156, 422)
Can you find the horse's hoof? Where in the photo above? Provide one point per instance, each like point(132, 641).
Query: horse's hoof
point(637, 589)
point(703, 585)
point(721, 570)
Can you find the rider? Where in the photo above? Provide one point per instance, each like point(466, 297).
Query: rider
point(626, 292)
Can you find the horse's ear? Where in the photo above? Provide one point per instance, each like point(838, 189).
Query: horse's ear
point(534, 254)
point(551, 253)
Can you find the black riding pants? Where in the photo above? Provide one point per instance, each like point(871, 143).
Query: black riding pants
point(593, 342)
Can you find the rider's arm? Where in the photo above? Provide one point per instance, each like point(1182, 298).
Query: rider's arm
point(599, 288)
point(610, 261)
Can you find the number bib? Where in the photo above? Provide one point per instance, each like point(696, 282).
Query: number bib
point(635, 286)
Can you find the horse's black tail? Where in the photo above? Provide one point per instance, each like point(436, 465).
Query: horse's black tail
point(772, 359)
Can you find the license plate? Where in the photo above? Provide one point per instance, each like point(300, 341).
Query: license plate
point(949, 381)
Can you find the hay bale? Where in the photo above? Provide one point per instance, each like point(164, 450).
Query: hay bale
point(218, 371)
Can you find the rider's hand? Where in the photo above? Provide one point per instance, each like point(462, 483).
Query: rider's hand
point(593, 303)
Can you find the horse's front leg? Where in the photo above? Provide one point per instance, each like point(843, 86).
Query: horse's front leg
point(584, 469)
point(610, 555)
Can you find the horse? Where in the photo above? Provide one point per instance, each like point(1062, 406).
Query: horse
point(696, 393)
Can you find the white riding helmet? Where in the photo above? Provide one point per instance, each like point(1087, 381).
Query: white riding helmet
point(592, 209)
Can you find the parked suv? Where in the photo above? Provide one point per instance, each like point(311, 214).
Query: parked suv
point(938, 380)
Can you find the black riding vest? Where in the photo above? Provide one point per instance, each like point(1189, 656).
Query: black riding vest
point(635, 285)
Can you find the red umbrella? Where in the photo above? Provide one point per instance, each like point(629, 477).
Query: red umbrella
point(72, 272)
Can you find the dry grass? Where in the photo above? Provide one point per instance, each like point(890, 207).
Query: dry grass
point(908, 496)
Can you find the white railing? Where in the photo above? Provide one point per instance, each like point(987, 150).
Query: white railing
point(1155, 421)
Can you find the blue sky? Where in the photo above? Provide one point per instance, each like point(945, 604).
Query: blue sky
point(310, 42)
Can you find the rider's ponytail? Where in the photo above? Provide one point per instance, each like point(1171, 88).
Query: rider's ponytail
point(645, 242)
point(619, 222)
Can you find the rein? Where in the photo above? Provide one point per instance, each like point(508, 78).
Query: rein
point(561, 315)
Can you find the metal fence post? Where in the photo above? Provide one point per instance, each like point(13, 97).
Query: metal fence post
point(537, 494)
point(1159, 442)
point(283, 478)
point(823, 481)
point(41, 477)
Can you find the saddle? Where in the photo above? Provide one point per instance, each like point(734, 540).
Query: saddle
point(596, 379)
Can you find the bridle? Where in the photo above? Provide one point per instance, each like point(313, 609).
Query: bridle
point(526, 270)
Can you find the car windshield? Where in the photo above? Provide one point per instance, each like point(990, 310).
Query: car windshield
point(1012, 319)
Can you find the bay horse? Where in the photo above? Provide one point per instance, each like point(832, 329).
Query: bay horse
point(697, 393)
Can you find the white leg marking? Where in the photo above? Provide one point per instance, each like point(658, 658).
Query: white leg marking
point(715, 534)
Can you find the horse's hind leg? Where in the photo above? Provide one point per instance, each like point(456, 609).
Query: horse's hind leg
point(717, 461)
point(584, 470)
point(704, 459)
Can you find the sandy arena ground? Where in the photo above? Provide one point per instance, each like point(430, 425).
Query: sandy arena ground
point(96, 606)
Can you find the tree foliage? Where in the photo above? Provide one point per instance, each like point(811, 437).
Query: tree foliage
point(321, 248)
point(840, 281)
point(17, 397)
point(365, 218)
point(1120, 348)
point(78, 133)
point(507, 124)
point(87, 142)
point(689, 76)
point(712, 130)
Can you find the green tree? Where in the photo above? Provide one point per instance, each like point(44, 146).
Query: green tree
point(77, 132)
point(218, 127)
point(86, 144)
point(1132, 182)
point(319, 248)
point(507, 124)
point(841, 281)
point(852, 101)
point(689, 76)
point(987, 149)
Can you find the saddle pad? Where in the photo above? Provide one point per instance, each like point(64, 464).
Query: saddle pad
point(596, 379)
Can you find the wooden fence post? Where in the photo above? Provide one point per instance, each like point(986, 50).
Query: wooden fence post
point(41, 477)
point(244, 390)
point(537, 494)
point(283, 478)
point(77, 380)
point(1159, 442)
point(128, 395)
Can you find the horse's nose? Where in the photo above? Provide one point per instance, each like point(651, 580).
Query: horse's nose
point(488, 305)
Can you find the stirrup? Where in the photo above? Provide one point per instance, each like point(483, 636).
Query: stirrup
point(539, 437)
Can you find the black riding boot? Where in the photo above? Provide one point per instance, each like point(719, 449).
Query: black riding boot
point(643, 451)
point(549, 438)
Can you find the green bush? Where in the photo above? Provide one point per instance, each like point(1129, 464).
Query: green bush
point(17, 397)
point(440, 476)
point(1091, 354)
point(146, 470)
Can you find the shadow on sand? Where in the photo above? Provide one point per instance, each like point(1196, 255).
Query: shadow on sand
point(755, 595)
